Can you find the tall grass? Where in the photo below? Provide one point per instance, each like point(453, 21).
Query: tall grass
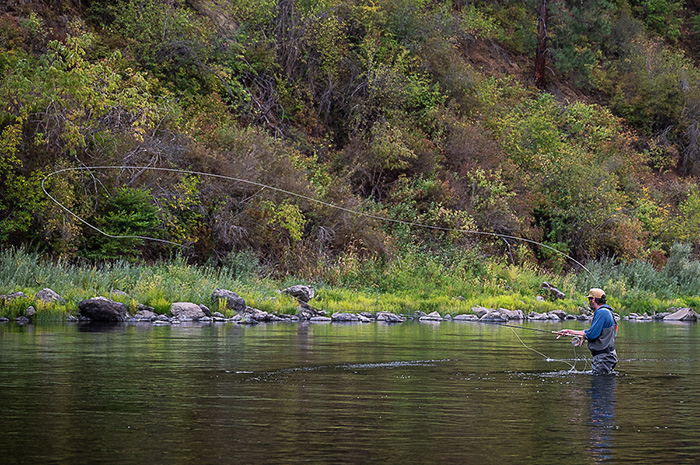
point(415, 282)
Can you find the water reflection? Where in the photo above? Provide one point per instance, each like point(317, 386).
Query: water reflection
point(602, 416)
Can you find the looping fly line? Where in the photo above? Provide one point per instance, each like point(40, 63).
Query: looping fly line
point(277, 189)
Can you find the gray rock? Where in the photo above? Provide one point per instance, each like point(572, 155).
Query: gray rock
point(71, 318)
point(145, 315)
point(553, 291)
point(511, 314)
point(30, 312)
point(390, 317)
point(561, 314)
point(300, 292)
point(103, 309)
point(682, 314)
point(6, 299)
point(205, 309)
point(305, 312)
point(344, 317)
point(481, 311)
point(537, 316)
point(145, 307)
point(466, 317)
point(418, 314)
point(320, 319)
point(258, 315)
point(218, 315)
point(3, 319)
point(369, 315)
point(494, 316)
point(228, 299)
point(432, 316)
point(186, 311)
point(22, 320)
point(46, 295)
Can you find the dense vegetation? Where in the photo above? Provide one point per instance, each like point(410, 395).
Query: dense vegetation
point(419, 111)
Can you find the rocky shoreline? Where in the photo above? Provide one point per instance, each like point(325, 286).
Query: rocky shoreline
point(103, 309)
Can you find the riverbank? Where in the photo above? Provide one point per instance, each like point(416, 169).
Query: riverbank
point(402, 289)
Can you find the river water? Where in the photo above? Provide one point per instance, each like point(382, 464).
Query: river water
point(449, 392)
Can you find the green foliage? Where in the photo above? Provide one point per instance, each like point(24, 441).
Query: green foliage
point(64, 99)
point(20, 197)
point(687, 225)
point(661, 16)
point(128, 213)
point(181, 209)
point(286, 216)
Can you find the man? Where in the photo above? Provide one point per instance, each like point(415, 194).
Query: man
point(601, 334)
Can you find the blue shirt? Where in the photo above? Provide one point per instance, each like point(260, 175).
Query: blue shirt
point(602, 318)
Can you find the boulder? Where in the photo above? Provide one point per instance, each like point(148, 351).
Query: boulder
point(228, 299)
point(46, 295)
point(6, 299)
point(511, 314)
point(186, 311)
point(466, 317)
point(300, 292)
point(205, 309)
point(432, 316)
point(390, 317)
point(30, 312)
point(481, 311)
point(561, 314)
point(103, 309)
point(553, 291)
point(682, 314)
point(494, 316)
point(418, 314)
point(145, 315)
point(344, 317)
point(257, 315)
point(320, 319)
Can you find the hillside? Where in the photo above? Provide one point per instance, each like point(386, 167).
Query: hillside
point(422, 112)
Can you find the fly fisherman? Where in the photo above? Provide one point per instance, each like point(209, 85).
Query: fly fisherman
point(601, 334)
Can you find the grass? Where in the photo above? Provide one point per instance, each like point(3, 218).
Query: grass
point(415, 283)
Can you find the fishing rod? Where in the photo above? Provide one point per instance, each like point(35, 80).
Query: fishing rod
point(525, 327)
point(576, 340)
point(277, 189)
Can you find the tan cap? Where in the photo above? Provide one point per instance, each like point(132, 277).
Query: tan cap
point(596, 293)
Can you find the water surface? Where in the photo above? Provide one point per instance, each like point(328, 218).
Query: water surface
point(452, 392)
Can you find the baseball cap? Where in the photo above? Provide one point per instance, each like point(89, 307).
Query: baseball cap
point(596, 293)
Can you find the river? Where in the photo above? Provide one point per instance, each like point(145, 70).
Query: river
point(450, 392)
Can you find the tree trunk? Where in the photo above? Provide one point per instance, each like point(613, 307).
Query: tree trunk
point(540, 80)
